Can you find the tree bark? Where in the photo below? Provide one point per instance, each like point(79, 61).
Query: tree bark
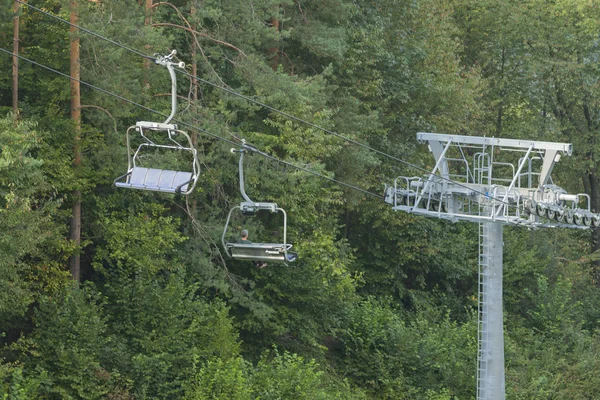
point(148, 18)
point(274, 51)
point(591, 183)
point(502, 94)
point(594, 192)
point(347, 224)
point(147, 22)
point(194, 62)
point(15, 65)
point(194, 136)
point(75, 231)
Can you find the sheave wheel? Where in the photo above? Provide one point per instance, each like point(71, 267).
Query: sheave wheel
point(540, 210)
point(531, 207)
point(433, 205)
point(568, 216)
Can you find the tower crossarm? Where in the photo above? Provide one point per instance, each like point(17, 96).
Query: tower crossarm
point(565, 148)
point(509, 178)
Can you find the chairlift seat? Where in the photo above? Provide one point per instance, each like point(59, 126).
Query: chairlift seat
point(169, 138)
point(159, 180)
point(262, 251)
point(256, 251)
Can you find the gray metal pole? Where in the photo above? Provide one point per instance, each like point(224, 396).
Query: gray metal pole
point(490, 376)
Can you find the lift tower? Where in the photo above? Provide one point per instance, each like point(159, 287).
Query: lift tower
point(492, 182)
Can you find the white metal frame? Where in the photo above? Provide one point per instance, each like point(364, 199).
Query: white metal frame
point(153, 179)
point(509, 189)
point(256, 251)
point(458, 189)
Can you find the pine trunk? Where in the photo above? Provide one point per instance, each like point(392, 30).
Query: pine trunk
point(274, 51)
point(15, 65)
point(194, 136)
point(75, 232)
point(147, 22)
point(194, 61)
point(594, 192)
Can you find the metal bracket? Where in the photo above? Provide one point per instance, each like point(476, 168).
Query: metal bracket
point(155, 125)
point(249, 208)
point(245, 148)
point(166, 61)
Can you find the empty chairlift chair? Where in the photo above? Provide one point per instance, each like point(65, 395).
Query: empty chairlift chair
point(160, 137)
point(277, 252)
point(159, 179)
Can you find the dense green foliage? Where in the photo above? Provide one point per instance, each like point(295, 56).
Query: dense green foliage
point(379, 304)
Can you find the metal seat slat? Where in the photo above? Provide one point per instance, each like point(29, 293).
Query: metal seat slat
point(156, 180)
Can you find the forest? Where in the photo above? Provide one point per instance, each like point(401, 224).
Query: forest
point(117, 293)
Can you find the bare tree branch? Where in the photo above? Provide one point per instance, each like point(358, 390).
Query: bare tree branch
point(105, 111)
point(233, 279)
point(195, 35)
point(204, 35)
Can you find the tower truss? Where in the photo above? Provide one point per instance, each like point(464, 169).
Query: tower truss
point(493, 182)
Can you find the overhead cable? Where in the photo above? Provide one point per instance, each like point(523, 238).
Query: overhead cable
point(195, 128)
point(257, 102)
point(233, 92)
point(85, 30)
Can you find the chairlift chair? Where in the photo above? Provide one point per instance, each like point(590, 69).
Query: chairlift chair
point(160, 179)
point(277, 252)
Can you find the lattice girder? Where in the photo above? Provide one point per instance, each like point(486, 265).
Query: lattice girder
point(511, 177)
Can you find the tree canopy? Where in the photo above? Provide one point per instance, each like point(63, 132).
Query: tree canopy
point(380, 304)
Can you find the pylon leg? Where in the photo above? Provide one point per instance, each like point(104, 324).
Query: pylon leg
point(490, 372)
